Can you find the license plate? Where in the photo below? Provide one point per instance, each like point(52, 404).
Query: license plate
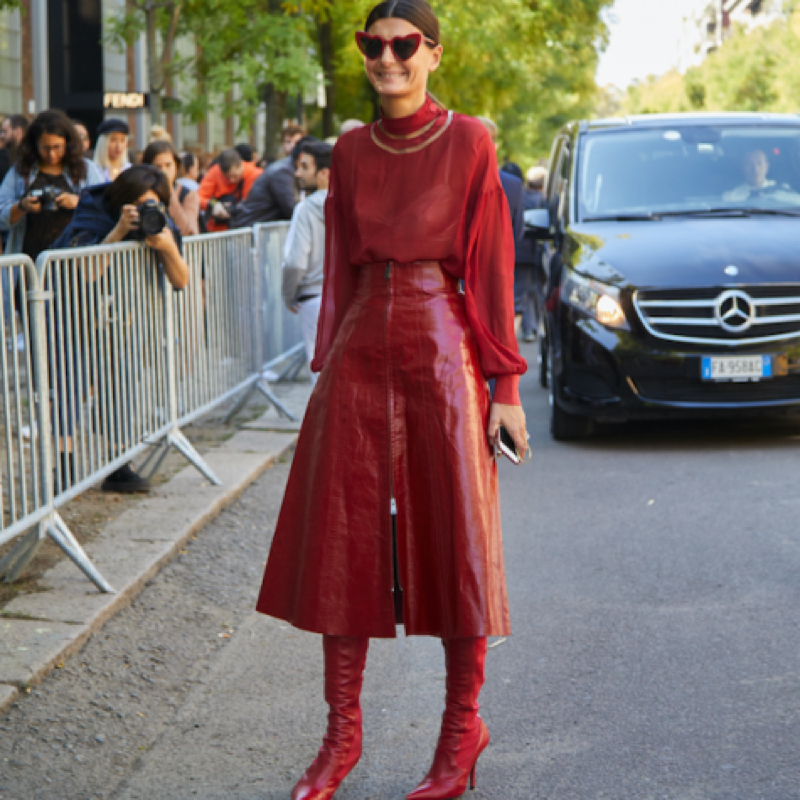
point(736, 368)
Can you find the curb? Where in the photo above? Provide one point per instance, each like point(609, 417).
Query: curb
point(38, 631)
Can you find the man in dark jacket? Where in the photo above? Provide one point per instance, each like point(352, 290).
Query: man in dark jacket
point(274, 194)
point(526, 259)
point(513, 187)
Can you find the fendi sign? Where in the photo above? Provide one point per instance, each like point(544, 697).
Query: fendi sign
point(124, 100)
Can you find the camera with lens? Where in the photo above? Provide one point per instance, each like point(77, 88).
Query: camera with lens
point(152, 218)
point(47, 197)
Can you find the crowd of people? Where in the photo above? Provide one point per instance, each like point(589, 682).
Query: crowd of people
point(229, 189)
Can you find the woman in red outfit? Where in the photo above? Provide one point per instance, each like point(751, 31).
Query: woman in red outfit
point(391, 511)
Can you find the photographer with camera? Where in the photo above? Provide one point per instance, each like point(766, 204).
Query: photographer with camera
point(133, 207)
point(224, 188)
point(40, 192)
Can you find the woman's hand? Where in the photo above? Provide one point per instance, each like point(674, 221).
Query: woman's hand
point(175, 268)
point(512, 418)
point(163, 240)
point(128, 221)
point(67, 200)
point(30, 205)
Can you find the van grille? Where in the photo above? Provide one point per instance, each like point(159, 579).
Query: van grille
point(684, 390)
point(733, 317)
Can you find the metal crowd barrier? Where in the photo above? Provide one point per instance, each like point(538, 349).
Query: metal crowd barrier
point(282, 335)
point(107, 361)
point(28, 505)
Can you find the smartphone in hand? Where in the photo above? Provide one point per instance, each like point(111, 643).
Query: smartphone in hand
point(505, 444)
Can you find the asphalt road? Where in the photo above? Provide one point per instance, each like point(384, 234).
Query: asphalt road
point(654, 579)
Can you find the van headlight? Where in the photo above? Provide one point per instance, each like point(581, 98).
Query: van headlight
point(599, 300)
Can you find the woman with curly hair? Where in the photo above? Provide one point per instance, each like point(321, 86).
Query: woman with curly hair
point(40, 192)
point(391, 513)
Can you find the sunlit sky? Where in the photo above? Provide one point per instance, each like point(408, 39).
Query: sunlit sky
point(644, 39)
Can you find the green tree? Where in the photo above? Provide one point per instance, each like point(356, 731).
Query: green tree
point(253, 45)
point(257, 46)
point(753, 71)
point(160, 21)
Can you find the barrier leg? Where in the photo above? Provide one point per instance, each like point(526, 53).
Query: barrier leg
point(240, 403)
point(298, 365)
point(155, 459)
point(16, 562)
point(294, 366)
point(263, 387)
point(177, 440)
point(62, 536)
point(13, 566)
point(259, 385)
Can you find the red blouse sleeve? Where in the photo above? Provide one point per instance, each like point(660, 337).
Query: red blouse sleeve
point(339, 276)
point(489, 281)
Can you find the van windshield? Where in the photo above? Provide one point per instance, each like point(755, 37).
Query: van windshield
point(689, 169)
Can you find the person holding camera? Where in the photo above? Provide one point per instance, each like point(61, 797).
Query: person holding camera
point(133, 207)
point(224, 188)
point(40, 192)
point(184, 204)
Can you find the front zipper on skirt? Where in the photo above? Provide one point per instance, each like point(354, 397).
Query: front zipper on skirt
point(397, 588)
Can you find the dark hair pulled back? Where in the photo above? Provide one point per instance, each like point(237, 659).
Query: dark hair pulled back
point(417, 12)
point(133, 182)
point(55, 123)
point(159, 147)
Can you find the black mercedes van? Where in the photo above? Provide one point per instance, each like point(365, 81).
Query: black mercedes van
point(671, 269)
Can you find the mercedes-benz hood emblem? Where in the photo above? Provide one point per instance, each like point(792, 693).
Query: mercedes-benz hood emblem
point(735, 311)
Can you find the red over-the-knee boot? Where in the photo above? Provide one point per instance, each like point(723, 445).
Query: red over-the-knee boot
point(463, 736)
point(345, 657)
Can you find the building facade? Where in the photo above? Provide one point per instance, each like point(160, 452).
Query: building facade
point(53, 55)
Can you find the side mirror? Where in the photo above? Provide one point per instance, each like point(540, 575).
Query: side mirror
point(537, 223)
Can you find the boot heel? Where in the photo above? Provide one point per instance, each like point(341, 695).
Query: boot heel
point(472, 776)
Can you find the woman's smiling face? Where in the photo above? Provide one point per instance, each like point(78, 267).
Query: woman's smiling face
point(394, 78)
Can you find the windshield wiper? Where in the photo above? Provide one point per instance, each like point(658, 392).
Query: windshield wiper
point(740, 212)
point(624, 218)
point(696, 212)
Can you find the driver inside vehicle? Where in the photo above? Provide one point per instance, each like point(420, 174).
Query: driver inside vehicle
point(755, 167)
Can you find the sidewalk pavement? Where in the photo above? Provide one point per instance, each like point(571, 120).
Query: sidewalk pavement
point(38, 631)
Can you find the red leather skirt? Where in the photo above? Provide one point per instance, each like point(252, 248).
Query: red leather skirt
point(400, 410)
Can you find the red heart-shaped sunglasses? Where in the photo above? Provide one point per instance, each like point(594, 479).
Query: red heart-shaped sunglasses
point(403, 47)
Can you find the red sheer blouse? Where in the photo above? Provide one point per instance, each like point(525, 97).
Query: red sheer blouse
point(439, 200)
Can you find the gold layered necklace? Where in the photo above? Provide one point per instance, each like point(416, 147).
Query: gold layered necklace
point(415, 148)
point(414, 135)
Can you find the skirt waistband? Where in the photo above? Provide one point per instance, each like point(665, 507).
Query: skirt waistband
point(428, 276)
